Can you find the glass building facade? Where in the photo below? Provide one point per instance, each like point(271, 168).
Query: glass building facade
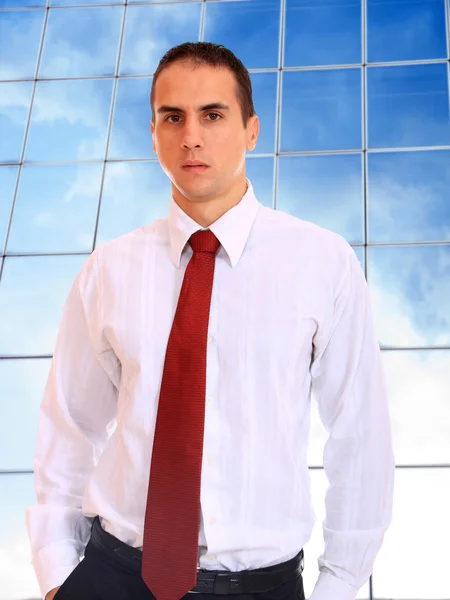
point(353, 98)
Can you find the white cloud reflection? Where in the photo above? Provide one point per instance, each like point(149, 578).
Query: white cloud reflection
point(152, 30)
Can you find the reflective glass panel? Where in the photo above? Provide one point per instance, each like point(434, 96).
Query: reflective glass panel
point(418, 385)
point(409, 196)
point(359, 251)
point(159, 1)
point(249, 29)
point(22, 3)
point(408, 106)
point(321, 110)
point(322, 32)
point(326, 190)
point(81, 42)
point(22, 383)
point(20, 36)
point(16, 571)
point(56, 209)
point(152, 30)
point(32, 294)
point(260, 172)
point(265, 101)
point(14, 106)
point(8, 176)
point(314, 548)
point(131, 136)
point(420, 524)
point(134, 194)
point(69, 120)
point(410, 287)
point(75, 2)
point(407, 30)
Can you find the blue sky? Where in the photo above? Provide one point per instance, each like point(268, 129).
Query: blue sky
point(397, 195)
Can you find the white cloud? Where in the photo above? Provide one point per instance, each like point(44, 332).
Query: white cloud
point(76, 102)
point(45, 219)
point(15, 100)
point(152, 30)
point(85, 184)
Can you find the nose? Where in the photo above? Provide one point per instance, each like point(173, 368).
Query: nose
point(192, 136)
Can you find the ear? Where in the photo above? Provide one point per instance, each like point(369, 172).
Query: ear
point(252, 132)
point(152, 130)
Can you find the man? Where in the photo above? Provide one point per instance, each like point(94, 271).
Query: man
point(173, 431)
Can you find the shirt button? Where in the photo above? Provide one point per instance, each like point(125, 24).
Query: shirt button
point(212, 521)
point(208, 399)
point(210, 460)
point(210, 339)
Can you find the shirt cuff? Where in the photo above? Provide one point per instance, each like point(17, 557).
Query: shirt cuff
point(328, 586)
point(54, 563)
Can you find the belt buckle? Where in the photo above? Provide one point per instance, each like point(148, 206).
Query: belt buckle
point(225, 583)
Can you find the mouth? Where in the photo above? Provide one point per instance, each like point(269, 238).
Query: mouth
point(194, 167)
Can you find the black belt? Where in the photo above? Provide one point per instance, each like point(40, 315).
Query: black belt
point(208, 581)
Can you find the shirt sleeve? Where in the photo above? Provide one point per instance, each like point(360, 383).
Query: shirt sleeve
point(78, 404)
point(349, 386)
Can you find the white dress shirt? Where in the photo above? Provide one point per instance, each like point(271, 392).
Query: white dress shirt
point(289, 314)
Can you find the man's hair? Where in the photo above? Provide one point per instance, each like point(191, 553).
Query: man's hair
point(215, 55)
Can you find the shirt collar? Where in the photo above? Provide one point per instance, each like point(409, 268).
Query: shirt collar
point(231, 229)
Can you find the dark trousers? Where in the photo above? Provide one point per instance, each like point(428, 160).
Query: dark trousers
point(98, 577)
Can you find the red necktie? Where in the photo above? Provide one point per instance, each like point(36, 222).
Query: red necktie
point(172, 518)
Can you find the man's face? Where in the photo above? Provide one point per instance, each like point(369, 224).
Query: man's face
point(198, 118)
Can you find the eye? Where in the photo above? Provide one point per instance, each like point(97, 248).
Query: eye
point(173, 117)
point(214, 115)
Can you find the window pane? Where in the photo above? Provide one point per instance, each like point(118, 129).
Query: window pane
point(18, 578)
point(20, 36)
point(159, 1)
point(14, 105)
point(228, 23)
point(152, 30)
point(326, 190)
point(131, 136)
point(8, 176)
point(410, 288)
point(69, 120)
point(21, 3)
point(321, 110)
point(134, 194)
point(408, 196)
point(407, 30)
point(359, 251)
point(80, 42)
point(74, 2)
point(56, 209)
point(314, 548)
point(420, 527)
point(32, 294)
point(265, 100)
point(260, 172)
point(408, 106)
point(22, 383)
point(418, 385)
point(323, 32)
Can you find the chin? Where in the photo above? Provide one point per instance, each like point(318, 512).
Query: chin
point(195, 190)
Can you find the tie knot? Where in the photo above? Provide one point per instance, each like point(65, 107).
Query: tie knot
point(204, 241)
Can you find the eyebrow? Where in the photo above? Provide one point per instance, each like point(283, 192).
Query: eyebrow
point(212, 106)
